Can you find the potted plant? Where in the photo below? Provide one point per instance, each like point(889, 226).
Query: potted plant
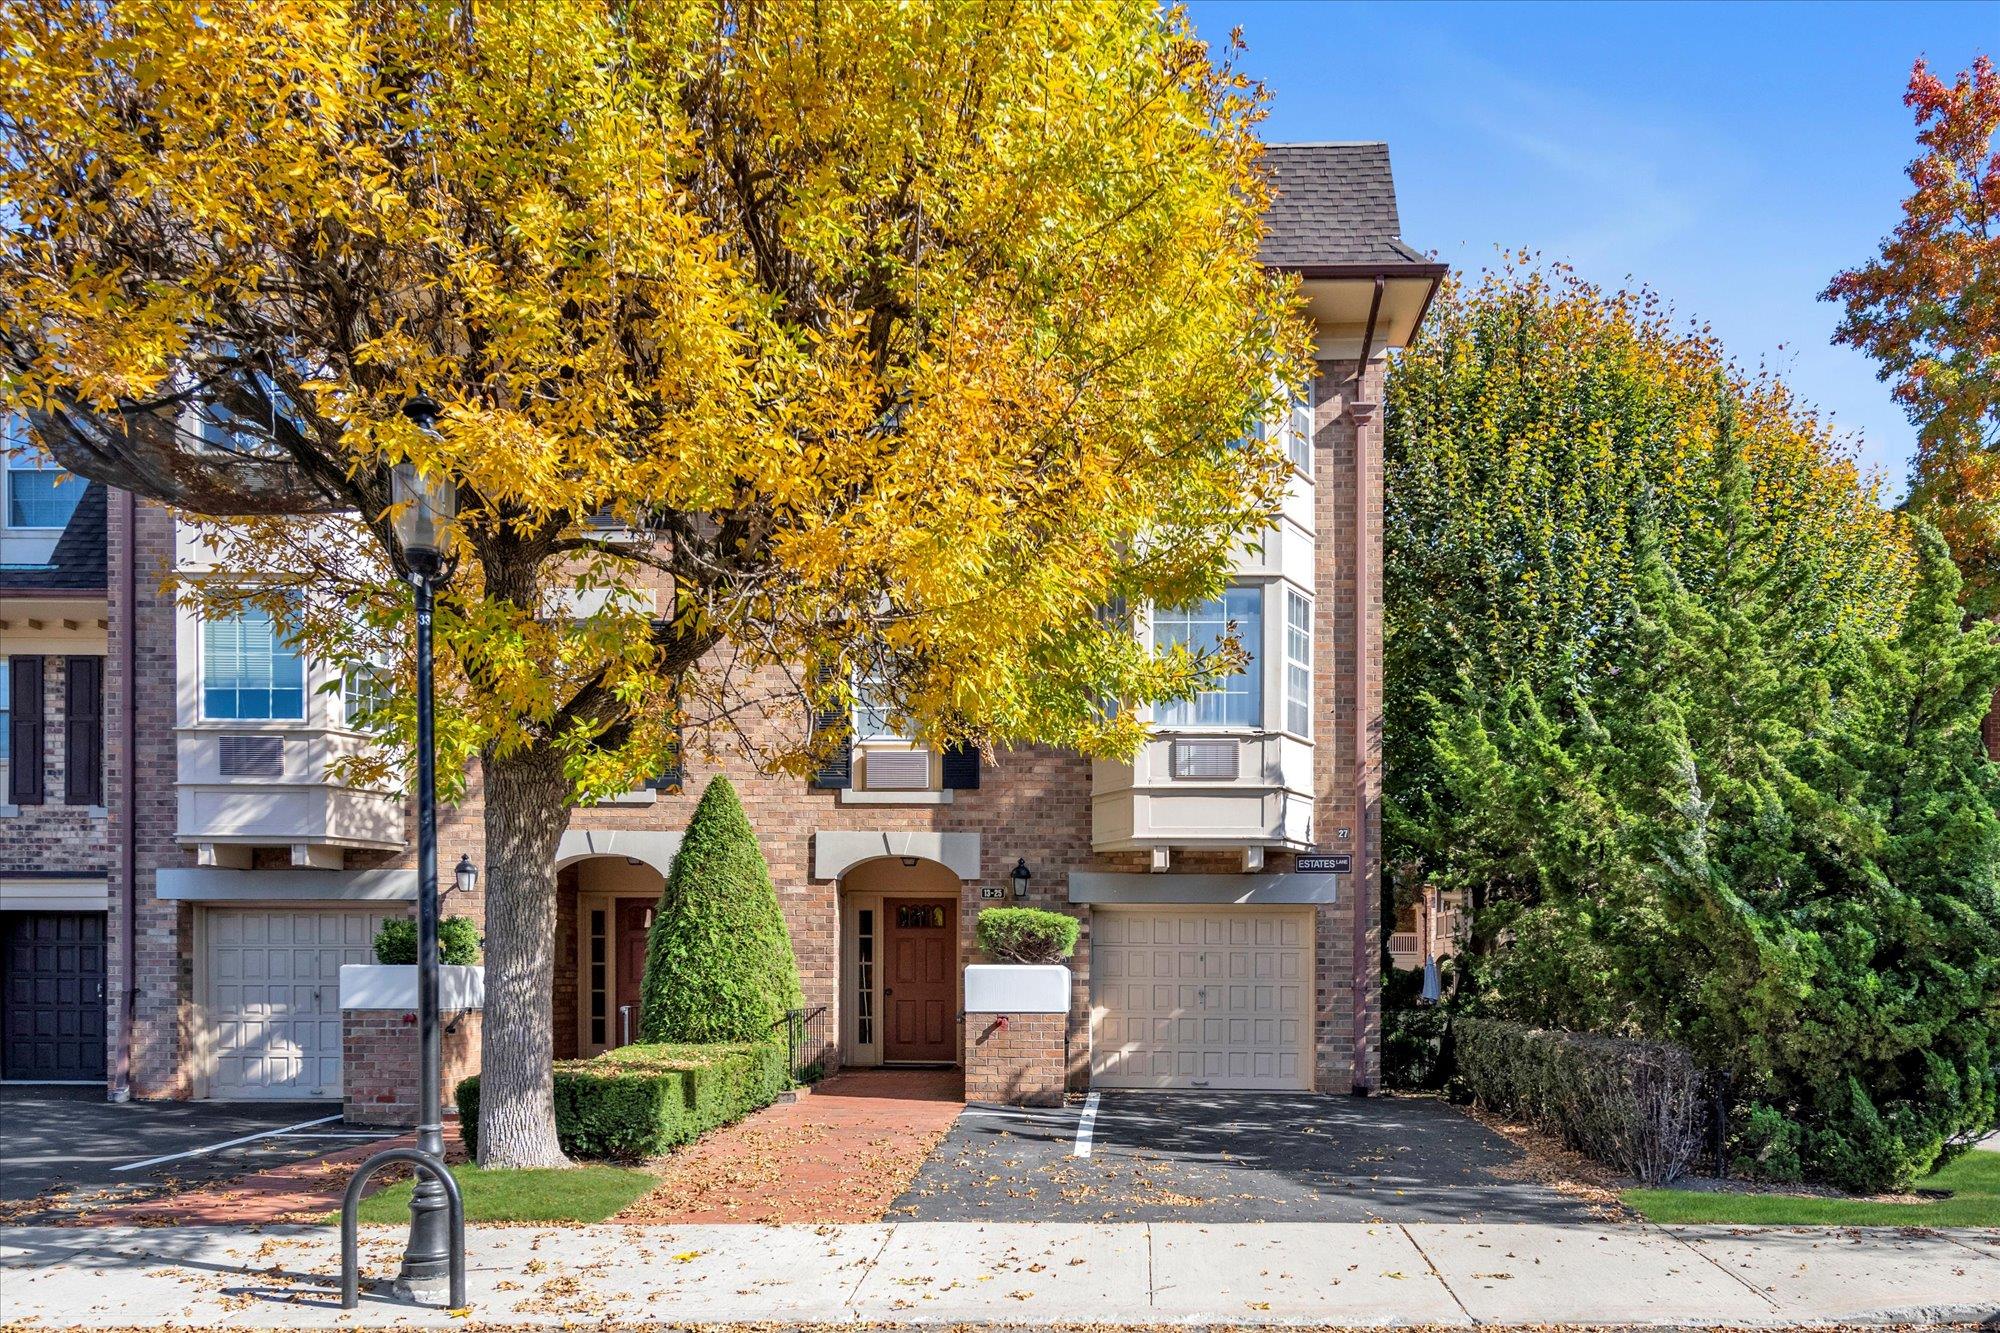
point(390, 982)
point(1027, 975)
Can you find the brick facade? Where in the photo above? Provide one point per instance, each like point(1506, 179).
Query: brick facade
point(1033, 804)
point(139, 787)
point(1018, 1059)
point(55, 836)
point(379, 1062)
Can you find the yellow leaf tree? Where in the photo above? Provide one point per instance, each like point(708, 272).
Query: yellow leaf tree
point(774, 341)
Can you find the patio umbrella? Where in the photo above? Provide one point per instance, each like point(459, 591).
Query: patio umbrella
point(1433, 991)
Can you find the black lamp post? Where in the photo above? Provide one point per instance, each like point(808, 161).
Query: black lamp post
point(424, 510)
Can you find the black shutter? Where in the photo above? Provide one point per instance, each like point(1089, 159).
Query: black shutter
point(24, 745)
point(960, 767)
point(833, 733)
point(83, 731)
point(673, 772)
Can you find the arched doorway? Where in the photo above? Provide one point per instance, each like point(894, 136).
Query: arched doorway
point(604, 910)
point(901, 962)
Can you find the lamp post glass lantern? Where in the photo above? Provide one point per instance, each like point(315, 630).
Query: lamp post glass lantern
point(424, 512)
point(465, 876)
point(1021, 875)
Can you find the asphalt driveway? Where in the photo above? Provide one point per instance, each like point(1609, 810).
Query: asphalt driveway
point(1229, 1157)
point(68, 1148)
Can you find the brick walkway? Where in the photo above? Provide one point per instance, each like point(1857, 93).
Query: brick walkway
point(840, 1154)
point(296, 1192)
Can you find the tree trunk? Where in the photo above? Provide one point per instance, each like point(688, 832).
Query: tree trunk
point(527, 809)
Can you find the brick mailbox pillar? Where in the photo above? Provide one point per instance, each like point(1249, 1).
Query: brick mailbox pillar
point(378, 1038)
point(1016, 1033)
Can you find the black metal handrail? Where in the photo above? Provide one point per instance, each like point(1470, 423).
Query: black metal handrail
point(797, 1036)
point(350, 1231)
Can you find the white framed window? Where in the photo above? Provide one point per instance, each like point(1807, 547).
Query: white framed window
point(1299, 430)
point(249, 672)
point(40, 494)
point(872, 713)
point(365, 690)
point(1236, 700)
point(1298, 663)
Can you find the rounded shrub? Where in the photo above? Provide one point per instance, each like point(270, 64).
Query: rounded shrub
point(1026, 934)
point(719, 962)
point(458, 941)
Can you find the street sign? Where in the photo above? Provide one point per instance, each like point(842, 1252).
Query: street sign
point(1324, 865)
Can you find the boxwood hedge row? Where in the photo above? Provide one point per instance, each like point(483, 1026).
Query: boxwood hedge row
point(640, 1101)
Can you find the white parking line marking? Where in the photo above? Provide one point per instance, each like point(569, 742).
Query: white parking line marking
point(228, 1143)
point(1085, 1127)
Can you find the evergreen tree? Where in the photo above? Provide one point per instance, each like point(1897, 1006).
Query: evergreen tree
point(719, 962)
point(1771, 840)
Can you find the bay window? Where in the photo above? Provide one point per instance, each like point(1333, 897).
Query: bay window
point(1299, 431)
point(1235, 700)
point(249, 671)
point(1298, 663)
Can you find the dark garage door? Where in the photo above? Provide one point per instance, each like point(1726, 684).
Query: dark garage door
point(52, 995)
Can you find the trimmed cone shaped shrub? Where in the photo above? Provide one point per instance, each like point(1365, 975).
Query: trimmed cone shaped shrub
point(719, 964)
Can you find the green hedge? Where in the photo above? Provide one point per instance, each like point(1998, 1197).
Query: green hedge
point(458, 941)
point(1026, 934)
point(640, 1101)
point(719, 961)
point(1634, 1105)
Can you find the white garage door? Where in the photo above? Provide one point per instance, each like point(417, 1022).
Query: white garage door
point(1201, 998)
point(274, 997)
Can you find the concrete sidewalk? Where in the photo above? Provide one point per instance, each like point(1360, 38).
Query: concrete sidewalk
point(1022, 1274)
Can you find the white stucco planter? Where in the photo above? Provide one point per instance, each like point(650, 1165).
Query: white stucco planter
point(394, 986)
point(1017, 988)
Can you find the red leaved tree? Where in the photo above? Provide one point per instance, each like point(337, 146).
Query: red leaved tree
point(1928, 309)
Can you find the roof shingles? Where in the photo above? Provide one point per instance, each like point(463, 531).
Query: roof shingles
point(1333, 203)
point(77, 564)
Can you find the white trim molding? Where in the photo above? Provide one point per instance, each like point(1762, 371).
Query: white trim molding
point(1017, 988)
point(837, 851)
point(394, 986)
point(1112, 888)
point(54, 893)
point(208, 884)
point(646, 846)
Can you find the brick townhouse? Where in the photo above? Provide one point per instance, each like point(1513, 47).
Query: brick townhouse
point(184, 929)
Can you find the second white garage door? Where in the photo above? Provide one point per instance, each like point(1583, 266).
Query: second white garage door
point(274, 997)
point(1201, 998)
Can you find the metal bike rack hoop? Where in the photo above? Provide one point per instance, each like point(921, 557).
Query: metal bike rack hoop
point(350, 1241)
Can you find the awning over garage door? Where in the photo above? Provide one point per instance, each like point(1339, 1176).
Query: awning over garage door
point(1201, 998)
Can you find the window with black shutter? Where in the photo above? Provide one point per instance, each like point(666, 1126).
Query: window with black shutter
point(25, 730)
point(959, 769)
point(83, 731)
point(833, 732)
point(673, 772)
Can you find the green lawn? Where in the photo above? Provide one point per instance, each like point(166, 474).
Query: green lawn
point(578, 1194)
point(1974, 1180)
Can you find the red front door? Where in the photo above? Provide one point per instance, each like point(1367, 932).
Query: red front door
point(631, 946)
point(919, 990)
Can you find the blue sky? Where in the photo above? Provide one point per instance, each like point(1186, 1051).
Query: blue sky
point(1733, 157)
